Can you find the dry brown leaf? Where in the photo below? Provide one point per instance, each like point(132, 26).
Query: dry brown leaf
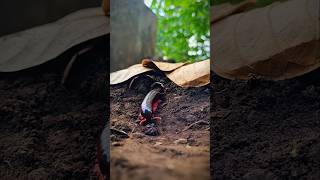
point(163, 66)
point(219, 12)
point(125, 74)
point(192, 75)
point(38, 45)
point(275, 42)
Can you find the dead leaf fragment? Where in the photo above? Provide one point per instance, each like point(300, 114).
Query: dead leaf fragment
point(125, 74)
point(192, 75)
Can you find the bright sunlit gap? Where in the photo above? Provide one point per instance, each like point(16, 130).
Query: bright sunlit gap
point(148, 2)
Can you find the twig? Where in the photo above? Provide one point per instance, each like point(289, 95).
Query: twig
point(134, 128)
point(8, 163)
point(195, 123)
point(70, 64)
point(222, 91)
point(119, 132)
point(131, 82)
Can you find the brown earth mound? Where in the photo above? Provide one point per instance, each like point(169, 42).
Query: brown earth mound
point(48, 131)
point(264, 129)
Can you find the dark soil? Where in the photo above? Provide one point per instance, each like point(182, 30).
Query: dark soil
point(266, 130)
point(174, 154)
point(49, 131)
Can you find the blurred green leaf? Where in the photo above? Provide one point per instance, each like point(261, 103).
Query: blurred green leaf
point(183, 29)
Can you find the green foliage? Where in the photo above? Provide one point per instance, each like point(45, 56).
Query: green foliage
point(183, 29)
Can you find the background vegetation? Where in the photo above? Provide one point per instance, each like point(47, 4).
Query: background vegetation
point(183, 29)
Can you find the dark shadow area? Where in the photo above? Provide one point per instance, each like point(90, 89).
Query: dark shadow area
point(48, 130)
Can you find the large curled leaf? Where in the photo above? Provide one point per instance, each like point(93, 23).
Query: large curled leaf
point(38, 45)
point(275, 42)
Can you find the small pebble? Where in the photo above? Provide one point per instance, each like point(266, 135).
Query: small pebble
point(181, 141)
point(138, 135)
point(158, 143)
point(117, 144)
point(191, 118)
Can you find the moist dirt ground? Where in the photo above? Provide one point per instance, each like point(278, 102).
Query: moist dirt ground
point(47, 130)
point(181, 151)
point(265, 130)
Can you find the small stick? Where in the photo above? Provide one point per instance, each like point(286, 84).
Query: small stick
point(70, 64)
point(195, 123)
point(134, 128)
point(222, 91)
point(8, 163)
point(131, 82)
point(118, 132)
